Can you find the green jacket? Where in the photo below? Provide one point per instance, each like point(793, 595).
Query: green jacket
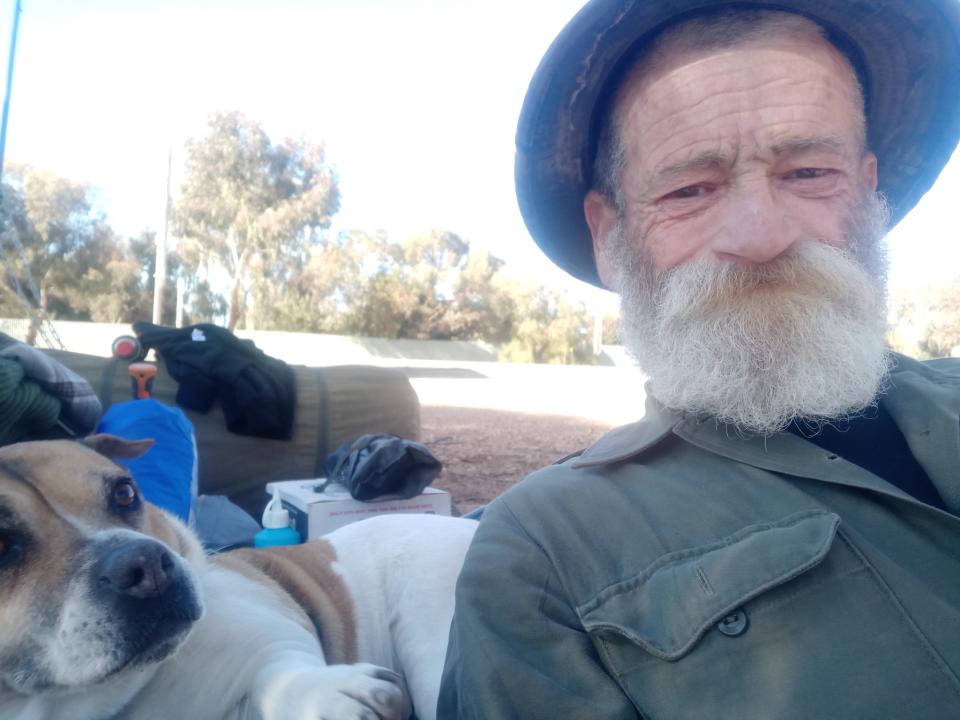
point(678, 570)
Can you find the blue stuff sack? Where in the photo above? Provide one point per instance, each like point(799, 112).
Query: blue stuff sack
point(167, 472)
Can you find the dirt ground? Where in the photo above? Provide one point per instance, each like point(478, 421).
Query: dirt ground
point(485, 451)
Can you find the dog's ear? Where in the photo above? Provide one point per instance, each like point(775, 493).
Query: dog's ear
point(117, 447)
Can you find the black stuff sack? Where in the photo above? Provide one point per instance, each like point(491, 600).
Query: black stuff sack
point(378, 465)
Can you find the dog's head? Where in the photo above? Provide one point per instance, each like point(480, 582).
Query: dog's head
point(94, 581)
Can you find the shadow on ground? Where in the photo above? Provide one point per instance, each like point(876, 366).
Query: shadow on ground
point(485, 451)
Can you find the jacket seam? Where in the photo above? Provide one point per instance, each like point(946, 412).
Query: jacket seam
point(515, 521)
point(604, 653)
point(624, 586)
point(663, 653)
point(922, 640)
point(787, 598)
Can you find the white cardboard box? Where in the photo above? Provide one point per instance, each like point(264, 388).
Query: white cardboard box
point(314, 514)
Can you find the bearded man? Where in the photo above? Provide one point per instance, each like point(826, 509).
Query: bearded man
point(778, 536)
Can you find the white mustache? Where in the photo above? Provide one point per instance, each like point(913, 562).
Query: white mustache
point(802, 336)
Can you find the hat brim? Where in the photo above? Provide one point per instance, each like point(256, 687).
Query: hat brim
point(907, 53)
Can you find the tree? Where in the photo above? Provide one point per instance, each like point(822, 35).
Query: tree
point(322, 291)
point(427, 274)
point(61, 257)
point(137, 270)
point(483, 308)
point(361, 283)
point(547, 329)
point(108, 283)
point(942, 338)
point(928, 321)
point(611, 329)
point(252, 209)
point(428, 286)
point(15, 298)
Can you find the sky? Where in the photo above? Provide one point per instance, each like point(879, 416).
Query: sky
point(415, 100)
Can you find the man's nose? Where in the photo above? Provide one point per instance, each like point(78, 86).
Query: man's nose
point(756, 229)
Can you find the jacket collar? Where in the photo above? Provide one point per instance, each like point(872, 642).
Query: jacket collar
point(627, 441)
point(923, 400)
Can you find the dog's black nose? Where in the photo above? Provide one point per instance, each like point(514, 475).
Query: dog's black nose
point(142, 569)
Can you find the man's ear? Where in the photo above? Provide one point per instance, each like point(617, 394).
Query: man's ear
point(868, 171)
point(601, 218)
point(112, 446)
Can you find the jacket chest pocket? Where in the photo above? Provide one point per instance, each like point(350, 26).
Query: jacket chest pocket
point(781, 620)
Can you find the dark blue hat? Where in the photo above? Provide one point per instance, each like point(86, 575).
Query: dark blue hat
point(906, 52)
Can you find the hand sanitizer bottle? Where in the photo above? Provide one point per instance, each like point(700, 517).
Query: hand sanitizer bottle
point(276, 525)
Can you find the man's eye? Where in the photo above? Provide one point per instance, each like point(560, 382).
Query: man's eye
point(808, 173)
point(688, 192)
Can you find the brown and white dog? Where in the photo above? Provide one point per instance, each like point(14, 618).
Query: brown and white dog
point(110, 609)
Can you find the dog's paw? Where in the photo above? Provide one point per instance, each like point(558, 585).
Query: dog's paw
point(333, 692)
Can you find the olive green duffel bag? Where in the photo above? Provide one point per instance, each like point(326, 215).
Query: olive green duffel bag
point(334, 404)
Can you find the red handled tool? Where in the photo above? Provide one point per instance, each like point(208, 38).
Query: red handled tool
point(142, 375)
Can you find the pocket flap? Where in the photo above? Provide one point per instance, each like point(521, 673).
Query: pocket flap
point(671, 604)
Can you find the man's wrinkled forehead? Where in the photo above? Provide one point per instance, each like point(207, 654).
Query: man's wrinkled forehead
point(697, 39)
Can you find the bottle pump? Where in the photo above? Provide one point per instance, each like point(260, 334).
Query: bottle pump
point(276, 525)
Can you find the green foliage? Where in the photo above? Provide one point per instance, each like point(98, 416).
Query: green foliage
point(928, 321)
point(430, 286)
point(252, 246)
point(547, 329)
point(80, 268)
point(252, 209)
point(611, 329)
point(53, 221)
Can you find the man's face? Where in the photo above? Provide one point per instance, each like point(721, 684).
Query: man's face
point(733, 155)
point(745, 247)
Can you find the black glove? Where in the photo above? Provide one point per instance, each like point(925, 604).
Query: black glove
point(380, 464)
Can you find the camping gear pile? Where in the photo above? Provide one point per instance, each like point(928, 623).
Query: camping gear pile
point(226, 419)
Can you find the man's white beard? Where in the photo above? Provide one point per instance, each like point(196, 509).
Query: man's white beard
point(758, 346)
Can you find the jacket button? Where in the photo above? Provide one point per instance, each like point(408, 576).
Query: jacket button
point(734, 624)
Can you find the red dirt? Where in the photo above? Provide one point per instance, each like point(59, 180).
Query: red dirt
point(484, 452)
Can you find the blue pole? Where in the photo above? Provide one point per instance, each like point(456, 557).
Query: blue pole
point(6, 99)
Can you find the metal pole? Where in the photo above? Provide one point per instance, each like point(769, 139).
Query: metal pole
point(6, 99)
point(181, 298)
point(597, 332)
point(160, 271)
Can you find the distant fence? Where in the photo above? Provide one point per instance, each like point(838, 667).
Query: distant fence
point(303, 348)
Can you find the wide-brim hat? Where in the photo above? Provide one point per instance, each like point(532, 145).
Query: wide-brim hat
point(906, 52)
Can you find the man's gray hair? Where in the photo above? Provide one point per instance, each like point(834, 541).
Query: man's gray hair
point(714, 30)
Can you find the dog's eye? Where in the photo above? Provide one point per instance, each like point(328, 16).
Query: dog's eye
point(125, 495)
point(10, 550)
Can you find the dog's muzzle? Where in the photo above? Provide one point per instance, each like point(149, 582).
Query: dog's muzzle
point(140, 569)
point(151, 597)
